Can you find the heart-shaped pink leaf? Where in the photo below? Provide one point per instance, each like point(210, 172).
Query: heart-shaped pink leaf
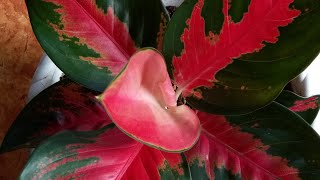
point(141, 102)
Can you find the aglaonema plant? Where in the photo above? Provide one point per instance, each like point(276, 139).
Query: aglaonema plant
point(197, 96)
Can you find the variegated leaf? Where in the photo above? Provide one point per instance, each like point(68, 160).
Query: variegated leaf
point(91, 41)
point(233, 57)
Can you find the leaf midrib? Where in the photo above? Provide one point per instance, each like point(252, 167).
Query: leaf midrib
point(103, 30)
point(217, 140)
point(186, 84)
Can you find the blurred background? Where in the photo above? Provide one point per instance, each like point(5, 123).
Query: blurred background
point(19, 56)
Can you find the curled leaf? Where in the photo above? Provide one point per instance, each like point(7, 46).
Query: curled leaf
point(141, 102)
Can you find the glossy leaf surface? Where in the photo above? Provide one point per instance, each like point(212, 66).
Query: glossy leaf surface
point(91, 41)
point(233, 57)
point(271, 143)
point(104, 154)
point(307, 108)
point(64, 105)
point(141, 102)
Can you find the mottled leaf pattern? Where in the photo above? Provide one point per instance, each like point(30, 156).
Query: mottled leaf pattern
point(253, 146)
point(225, 57)
point(230, 62)
point(307, 108)
point(91, 41)
point(104, 154)
point(217, 51)
point(271, 143)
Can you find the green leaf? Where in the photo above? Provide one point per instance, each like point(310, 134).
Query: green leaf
point(104, 154)
point(271, 143)
point(91, 41)
point(307, 108)
point(64, 105)
point(236, 57)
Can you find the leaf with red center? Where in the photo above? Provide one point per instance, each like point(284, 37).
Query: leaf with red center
point(307, 108)
point(141, 102)
point(103, 154)
point(229, 67)
point(271, 143)
point(65, 105)
point(91, 41)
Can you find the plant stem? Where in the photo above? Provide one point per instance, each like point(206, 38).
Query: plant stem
point(178, 93)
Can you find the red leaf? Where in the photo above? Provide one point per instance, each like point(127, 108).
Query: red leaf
point(203, 56)
point(224, 145)
point(149, 161)
point(111, 155)
point(109, 32)
point(304, 105)
point(141, 102)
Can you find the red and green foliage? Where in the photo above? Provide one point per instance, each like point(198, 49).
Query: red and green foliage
point(253, 146)
point(266, 144)
point(231, 57)
point(211, 107)
point(101, 154)
point(91, 41)
point(307, 108)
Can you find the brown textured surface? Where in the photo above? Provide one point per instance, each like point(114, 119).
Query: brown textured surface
point(19, 56)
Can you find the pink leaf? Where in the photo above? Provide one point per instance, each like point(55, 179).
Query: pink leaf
point(141, 102)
